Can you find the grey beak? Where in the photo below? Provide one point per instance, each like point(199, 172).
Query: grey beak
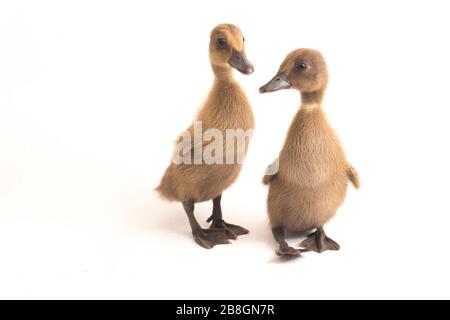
point(239, 61)
point(278, 82)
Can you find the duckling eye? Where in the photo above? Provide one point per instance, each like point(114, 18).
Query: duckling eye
point(301, 66)
point(221, 43)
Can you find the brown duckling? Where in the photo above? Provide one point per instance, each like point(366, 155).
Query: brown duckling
point(313, 172)
point(225, 108)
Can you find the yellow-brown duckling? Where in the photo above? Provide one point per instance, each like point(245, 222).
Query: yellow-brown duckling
point(225, 108)
point(313, 173)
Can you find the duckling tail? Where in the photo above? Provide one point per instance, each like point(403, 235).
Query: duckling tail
point(166, 187)
point(353, 176)
point(165, 193)
point(267, 179)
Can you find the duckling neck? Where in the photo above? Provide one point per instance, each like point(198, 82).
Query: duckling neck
point(312, 100)
point(223, 74)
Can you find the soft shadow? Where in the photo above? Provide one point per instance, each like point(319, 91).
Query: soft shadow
point(150, 213)
point(285, 259)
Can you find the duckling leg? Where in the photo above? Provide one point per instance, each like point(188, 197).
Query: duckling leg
point(207, 238)
point(284, 249)
point(231, 230)
point(319, 242)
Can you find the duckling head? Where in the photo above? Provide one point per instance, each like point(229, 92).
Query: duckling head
point(302, 69)
point(226, 50)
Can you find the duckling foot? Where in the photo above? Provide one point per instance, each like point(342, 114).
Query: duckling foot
point(319, 242)
point(208, 238)
point(231, 230)
point(284, 250)
point(288, 251)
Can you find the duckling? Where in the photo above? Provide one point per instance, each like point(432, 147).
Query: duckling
point(226, 107)
point(313, 172)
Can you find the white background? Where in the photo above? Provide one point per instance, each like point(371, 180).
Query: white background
point(93, 94)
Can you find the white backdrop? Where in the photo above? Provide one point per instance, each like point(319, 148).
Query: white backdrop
point(93, 94)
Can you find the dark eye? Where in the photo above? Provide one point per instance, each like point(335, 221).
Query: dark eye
point(301, 66)
point(221, 43)
point(243, 39)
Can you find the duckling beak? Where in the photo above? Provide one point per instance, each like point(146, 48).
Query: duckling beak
point(278, 82)
point(239, 61)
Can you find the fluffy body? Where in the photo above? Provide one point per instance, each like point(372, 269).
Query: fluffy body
point(227, 107)
point(312, 179)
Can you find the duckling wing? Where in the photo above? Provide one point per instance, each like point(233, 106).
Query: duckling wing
point(353, 176)
point(192, 143)
point(271, 171)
